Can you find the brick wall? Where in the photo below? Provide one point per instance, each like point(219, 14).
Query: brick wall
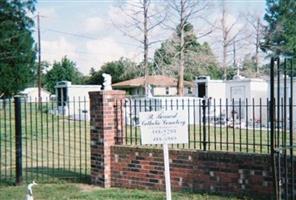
point(220, 172)
point(133, 167)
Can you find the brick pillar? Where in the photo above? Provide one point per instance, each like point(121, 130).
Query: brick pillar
point(107, 122)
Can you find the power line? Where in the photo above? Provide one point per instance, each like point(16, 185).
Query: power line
point(72, 34)
point(84, 36)
point(56, 31)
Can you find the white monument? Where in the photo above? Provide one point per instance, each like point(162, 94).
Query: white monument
point(107, 81)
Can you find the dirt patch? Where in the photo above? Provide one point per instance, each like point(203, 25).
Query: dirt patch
point(88, 188)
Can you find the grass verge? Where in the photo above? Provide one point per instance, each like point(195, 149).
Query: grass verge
point(87, 192)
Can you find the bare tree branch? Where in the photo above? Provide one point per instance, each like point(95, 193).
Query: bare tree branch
point(142, 20)
point(257, 32)
point(231, 35)
point(183, 11)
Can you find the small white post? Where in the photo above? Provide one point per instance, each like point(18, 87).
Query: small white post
point(167, 172)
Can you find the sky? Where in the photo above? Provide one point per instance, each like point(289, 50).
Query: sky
point(86, 31)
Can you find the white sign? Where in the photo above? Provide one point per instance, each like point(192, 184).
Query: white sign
point(164, 127)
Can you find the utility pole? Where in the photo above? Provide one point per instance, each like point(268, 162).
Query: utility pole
point(39, 61)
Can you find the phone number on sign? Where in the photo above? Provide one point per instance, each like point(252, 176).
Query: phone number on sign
point(164, 131)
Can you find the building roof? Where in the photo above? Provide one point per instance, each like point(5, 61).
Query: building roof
point(33, 89)
point(155, 80)
point(68, 84)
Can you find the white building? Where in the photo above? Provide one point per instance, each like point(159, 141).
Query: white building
point(31, 94)
point(280, 88)
point(205, 87)
point(73, 100)
point(249, 93)
point(238, 97)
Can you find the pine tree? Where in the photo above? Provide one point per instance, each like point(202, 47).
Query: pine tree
point(198, 58)
point(17, 51)
point(280, 34)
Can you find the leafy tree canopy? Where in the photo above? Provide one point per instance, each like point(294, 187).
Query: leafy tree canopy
point(17, 51)
point(249, 68)
point(199, 58)
point(280, 33)
point(120, 70)
point(65, 70)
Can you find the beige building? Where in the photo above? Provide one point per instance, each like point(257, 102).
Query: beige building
point(158, 85)
point(31, 94)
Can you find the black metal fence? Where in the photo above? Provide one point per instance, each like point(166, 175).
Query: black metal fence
point(237, 125)
point(283, 145)
point(46, 141)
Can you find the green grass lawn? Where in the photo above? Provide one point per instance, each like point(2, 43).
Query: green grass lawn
point(53, 146)
point(72, 191)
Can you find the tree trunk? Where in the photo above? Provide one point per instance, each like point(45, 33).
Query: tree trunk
point(145, 43)
point(257, 45)
point(181, 68)
point(234, 55)
point(180, 85)
point(181, 75)
point(225, 45)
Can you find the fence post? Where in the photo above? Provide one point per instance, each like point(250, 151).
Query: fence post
point(204, 124)
point(272, 128)
point(18, 139)
point(105, 127)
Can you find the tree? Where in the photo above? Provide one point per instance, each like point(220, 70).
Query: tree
point(120, 70)
point(257, 33)
point(249, 66)
point(184, 11)
point(230, 37)
point(65, 70)
point(280, 33)
point(142, 19)
point(17, 49)
point(165, 61)
point(198, 58)
point(201, 61)
point(44, 65)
